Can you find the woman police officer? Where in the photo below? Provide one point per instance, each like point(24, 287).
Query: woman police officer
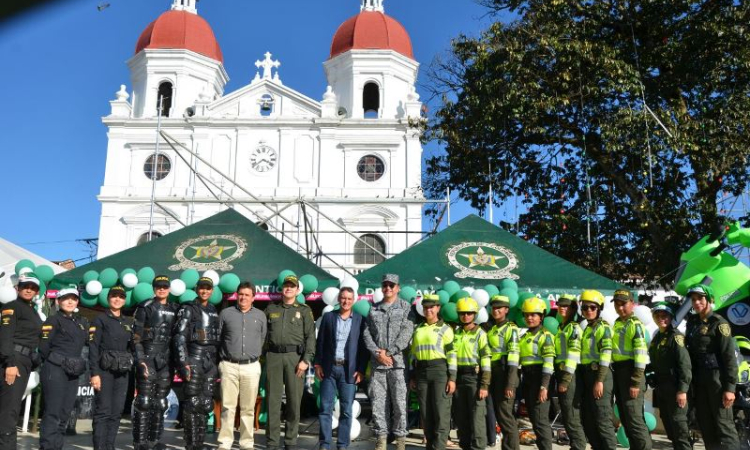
point(568, 356)
point(672, 373)
point(473, 377)
point(111, 359)
point(711, 347)
point(63, 338)
point(537, 349)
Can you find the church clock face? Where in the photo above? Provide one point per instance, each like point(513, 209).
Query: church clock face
point(263, 159)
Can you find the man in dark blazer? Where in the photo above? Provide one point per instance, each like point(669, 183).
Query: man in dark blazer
point(340, 361)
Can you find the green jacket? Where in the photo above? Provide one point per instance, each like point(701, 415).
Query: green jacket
point(291, 325)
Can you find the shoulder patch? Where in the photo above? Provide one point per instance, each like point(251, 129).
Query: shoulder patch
point(8, 312)
point(725, 329)
point(680, 340)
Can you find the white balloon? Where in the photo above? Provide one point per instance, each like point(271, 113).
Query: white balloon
point(177, 287)
point(7, 294)
point(644, 313)
point(482, 316)
point(93, 287)
point(337, 409)
point(328, 308)
point(482, 297)
point(331, 296)
point(351, 282)
point(609, 316)
point(356, 429)
point(24, 270)
point(419, 307)
point(318, 322)
point(652, 329)
point(356, 410)
point(468, 289)
point(42, 315)
point(301, 287)
point(129, 280)
point(33, 381)
point(213, 275)
point(334, 422)
point(377, 296)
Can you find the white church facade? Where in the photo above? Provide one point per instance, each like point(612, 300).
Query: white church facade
point(307, 169)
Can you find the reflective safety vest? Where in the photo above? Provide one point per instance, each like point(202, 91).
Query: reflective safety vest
point(472, 349)
point(596, 345)
point(503, 340)
point(629, 342)
point(568, 347)
point(434, 341)
point(538, 347)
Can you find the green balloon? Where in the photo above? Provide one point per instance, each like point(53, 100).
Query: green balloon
point(216, 297)
point(301, 299)
point(309, 283)
point(622, 438)
point(188, 296)
point(44, 273)
point(228, 283)
point(128, 298)
point(25, 263)
point(108, 277)
point(142, 292)
point(551, 324)
point(362, 308)
point(90, 275)
point(42, 287)
point(492, 290)
point(89, 301)
point(103, 298)
point(448, 312)
point(190, 277)
point(451, 287)
point(617, 411)
point(146, 275)
point(650, 421)
point(263, 417)
point(407, 293)
point(520, 320)
point(506, 283)
point(523, 296)
point(444, 296)
point(283, 274)
point(512, 295)
point(458, 295)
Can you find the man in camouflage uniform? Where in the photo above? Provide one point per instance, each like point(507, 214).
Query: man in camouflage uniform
point(387, 334)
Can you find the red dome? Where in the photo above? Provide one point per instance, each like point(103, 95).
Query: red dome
point(180, 29)
point(371, 30)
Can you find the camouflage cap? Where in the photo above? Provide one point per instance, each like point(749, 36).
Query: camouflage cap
point(390, 278)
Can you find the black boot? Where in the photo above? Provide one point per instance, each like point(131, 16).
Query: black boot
point(156, 429)
point(140, 430)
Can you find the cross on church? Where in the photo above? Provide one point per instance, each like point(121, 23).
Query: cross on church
point(267, 64)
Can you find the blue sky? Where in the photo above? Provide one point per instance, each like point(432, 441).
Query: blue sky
point(64, 63)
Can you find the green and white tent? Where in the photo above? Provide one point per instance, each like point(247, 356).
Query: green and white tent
point(474, 252)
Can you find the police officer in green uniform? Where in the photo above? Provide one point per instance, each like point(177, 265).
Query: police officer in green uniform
point(567, 358)
point(537, 351)
point(596, 374)
point(473, 379)
point(711, 347)
point(289, 353)
point(670, 374)
point(630, 356)
point(503, 340)
point(434, 373)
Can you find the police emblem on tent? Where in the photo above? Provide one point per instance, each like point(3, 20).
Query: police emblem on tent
point(483, 260)
point(209, 252)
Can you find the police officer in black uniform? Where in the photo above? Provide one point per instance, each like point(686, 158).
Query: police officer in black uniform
point(152, 334)
point(20, 328)
point(63, 338)
point(196, 343)
point(111, 360)
point(711, 347)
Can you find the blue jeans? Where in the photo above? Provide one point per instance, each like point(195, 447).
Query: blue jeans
point(336, 381)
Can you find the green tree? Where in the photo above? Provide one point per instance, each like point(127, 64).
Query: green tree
point(557, 101)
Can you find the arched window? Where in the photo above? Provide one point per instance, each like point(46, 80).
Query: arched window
point(164, 99)
point(142, 239)
point(371, 100)
point(366, 255)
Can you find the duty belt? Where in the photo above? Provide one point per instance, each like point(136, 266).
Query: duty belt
point(22, 349)
point(285, 349)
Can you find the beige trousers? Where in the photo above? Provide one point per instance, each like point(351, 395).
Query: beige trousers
point(239, 384)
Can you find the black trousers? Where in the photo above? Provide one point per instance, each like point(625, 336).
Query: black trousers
point(108, 406)
point(10, 402)
point(199, 399)
point(59, 391)
point(151, 402)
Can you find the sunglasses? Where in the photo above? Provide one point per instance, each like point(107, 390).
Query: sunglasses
point(466, 314)
point(29, 286)
point(388, 285)
point(589, 307)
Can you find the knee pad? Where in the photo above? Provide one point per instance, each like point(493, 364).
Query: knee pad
point(142, 403)
point(194, 387)
point(161, 405)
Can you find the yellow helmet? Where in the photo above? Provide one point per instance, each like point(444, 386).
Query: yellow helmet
point(592, 296)
point(534, 305)
point(467, 304)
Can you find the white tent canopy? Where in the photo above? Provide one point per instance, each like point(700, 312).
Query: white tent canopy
point(11, 253)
